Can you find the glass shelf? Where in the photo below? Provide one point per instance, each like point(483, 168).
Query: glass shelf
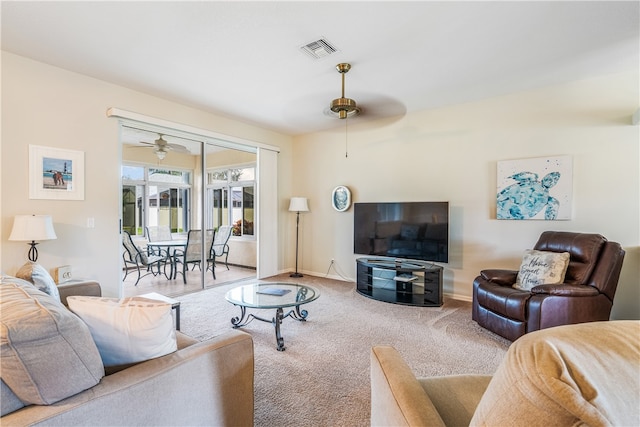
point(400, 282)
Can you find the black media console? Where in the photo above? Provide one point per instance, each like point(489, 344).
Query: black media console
point(409, 282)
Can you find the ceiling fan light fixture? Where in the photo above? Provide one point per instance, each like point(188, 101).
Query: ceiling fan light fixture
point(161, 153)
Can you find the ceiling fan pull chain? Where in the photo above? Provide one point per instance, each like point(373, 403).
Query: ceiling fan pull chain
point(346, 137)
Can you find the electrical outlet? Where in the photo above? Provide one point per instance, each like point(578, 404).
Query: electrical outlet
point(63, 274)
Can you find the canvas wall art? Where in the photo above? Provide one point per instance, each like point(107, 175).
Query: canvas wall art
point(538, 188)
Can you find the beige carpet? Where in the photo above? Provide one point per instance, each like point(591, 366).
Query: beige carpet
point(322, 378)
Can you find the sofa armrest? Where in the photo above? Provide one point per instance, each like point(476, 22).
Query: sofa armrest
point(500, 277)
point(208, 383)
point(397, 398)
point(88, 288)
point(566, 290)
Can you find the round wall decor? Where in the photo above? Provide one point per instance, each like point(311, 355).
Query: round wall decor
point(341, 198)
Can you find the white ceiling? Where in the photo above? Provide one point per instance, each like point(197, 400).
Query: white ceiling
point(243, 59)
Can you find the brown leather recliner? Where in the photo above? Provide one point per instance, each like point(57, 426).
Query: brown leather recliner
point(585, 296)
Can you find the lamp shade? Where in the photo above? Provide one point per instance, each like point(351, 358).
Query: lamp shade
point(298, 204)
point(32, 227)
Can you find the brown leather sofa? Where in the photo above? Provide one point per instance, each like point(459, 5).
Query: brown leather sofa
point(585, 296)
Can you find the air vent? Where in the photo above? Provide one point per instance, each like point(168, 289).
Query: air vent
point(319, 49)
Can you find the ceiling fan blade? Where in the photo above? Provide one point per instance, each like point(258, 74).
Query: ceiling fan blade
point(381, 106)
point(178, 148)
point(142, 144)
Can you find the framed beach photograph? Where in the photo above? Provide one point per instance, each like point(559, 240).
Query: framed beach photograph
point(341, 198)
point(56, 173)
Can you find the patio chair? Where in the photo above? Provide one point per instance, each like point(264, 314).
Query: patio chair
point(192, 253)
point(157, 233)
point(211, 262)
point(132, 255)
point(220, 245)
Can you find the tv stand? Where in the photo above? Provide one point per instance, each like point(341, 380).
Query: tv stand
point(409, 282)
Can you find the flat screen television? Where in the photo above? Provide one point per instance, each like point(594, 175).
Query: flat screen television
point(412, 230)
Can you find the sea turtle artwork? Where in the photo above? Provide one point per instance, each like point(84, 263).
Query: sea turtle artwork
point(528, 196)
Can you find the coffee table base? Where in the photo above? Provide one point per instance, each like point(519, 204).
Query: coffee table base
point(294, 313)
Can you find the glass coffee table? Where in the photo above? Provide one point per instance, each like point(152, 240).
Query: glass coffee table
point(271, 295)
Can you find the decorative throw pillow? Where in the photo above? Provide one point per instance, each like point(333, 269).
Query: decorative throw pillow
point(127, 330)
point(47, 352)
point(40, 277)
point(541, 268)
point(9, 402)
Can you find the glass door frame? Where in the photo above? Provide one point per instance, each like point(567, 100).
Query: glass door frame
point(266, 198)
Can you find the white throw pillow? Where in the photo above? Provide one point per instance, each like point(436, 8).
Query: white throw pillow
point(40, 277)
point(127, 330)
point(541, 268)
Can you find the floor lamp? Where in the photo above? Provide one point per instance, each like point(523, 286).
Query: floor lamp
point(297, 204)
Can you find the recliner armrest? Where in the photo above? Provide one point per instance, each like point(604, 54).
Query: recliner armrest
point(500, 277)
point(565, 290)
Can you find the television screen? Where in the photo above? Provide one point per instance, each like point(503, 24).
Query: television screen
point(413, 230)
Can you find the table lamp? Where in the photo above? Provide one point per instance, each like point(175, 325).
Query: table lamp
point(31, 228)
point(297, 204)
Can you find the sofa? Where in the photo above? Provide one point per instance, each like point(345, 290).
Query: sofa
point(582, 374)
point(200, 383)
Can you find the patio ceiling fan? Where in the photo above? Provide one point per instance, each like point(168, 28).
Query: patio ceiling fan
point(161, 147)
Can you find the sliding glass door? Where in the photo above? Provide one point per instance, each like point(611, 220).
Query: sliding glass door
point(192, 186)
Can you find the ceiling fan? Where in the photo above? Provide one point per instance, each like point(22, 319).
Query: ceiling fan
point(161, 147)
point(342, 107)
point(376, 106)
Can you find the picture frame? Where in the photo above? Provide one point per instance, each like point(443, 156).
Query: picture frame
point(341, 198)
point(55, 173)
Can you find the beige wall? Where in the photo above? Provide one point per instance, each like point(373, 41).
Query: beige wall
point(48, 106)
point(451, 154)
point(444, 154)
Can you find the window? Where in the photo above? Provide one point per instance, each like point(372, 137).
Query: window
point(154, 196)
point(231, 194)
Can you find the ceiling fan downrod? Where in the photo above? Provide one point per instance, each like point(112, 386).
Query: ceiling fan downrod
point(344, 107)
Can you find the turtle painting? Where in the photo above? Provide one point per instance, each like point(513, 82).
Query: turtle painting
point(528, 196)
